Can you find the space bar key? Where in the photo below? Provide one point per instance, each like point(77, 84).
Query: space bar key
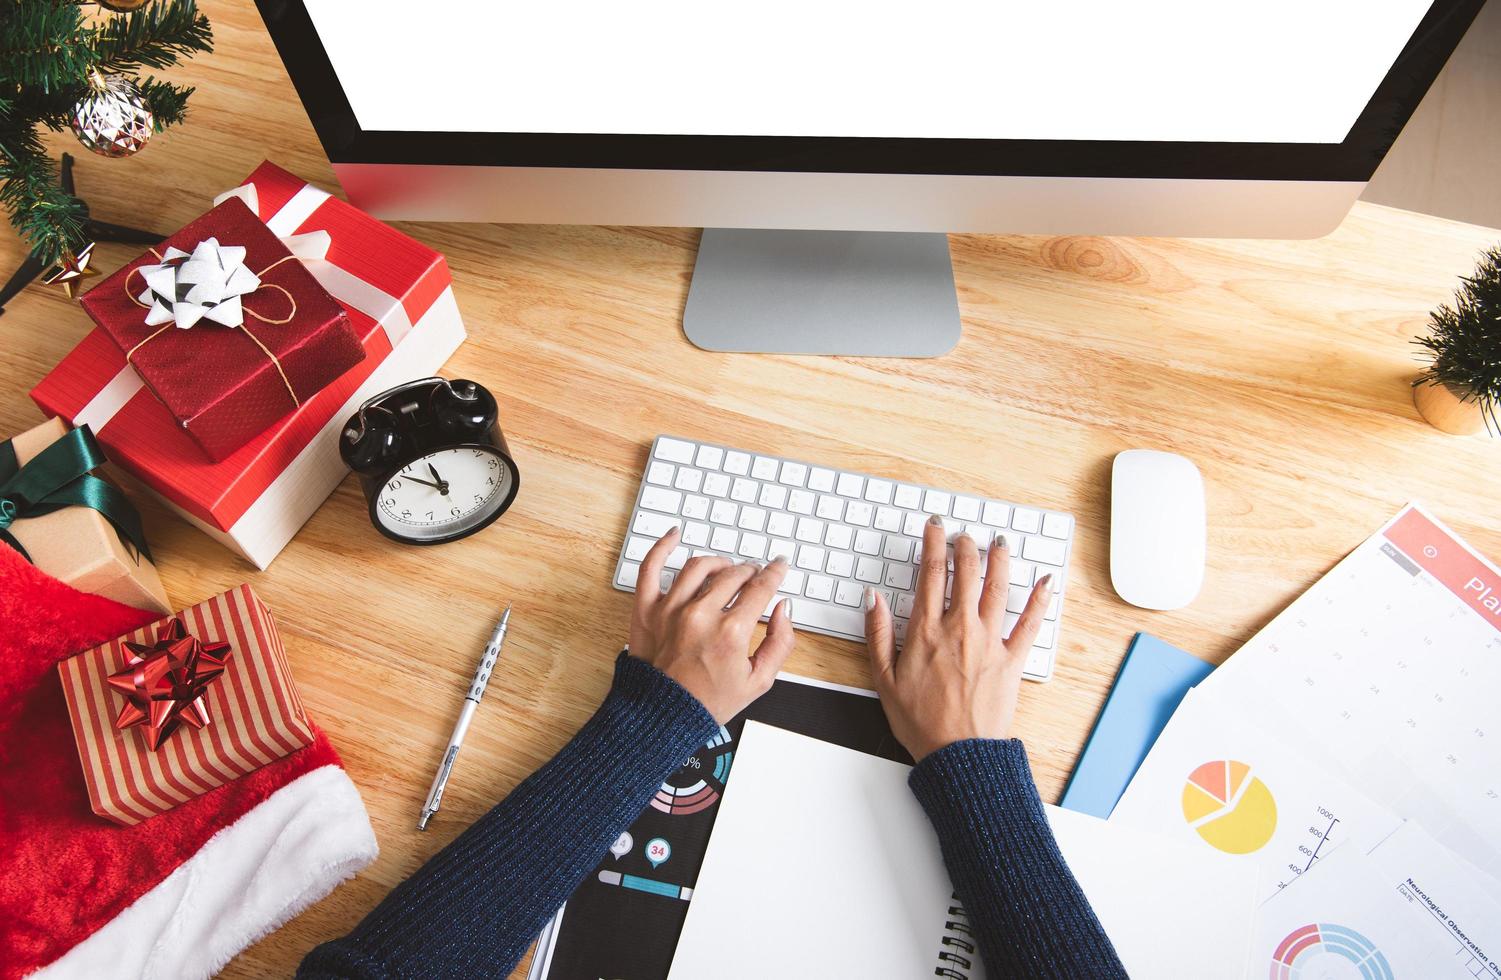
point(846, 622)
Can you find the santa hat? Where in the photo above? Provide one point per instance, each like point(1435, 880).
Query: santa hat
point(176, 895)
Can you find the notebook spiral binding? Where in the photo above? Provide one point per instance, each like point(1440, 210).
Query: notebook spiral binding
point(958, 953)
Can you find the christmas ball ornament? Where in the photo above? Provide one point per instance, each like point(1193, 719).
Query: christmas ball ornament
point(122, 6)
point(112, 119)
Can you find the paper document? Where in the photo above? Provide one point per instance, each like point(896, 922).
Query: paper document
point(827, 850)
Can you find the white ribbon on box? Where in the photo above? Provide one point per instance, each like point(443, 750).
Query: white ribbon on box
point(311, 249)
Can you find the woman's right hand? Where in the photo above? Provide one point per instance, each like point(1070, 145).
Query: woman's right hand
point(956, 677)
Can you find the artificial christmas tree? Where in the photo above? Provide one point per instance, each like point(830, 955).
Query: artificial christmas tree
point(67, 64)
point(1460, 390)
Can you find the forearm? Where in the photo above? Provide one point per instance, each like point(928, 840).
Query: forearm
point(1029, 915)
point(477, 904)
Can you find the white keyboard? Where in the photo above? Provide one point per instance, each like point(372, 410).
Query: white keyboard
point(840, 531)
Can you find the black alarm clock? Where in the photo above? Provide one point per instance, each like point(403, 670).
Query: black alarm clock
point(431, 459)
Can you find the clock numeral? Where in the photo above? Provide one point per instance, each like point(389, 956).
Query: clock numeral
point(478, 453)
point(455, 512)
point(494, 463)
point(390, 501)
point(490, 481)
point(479, 499)
point(394, 485)
point(406, 513)
point(429, 515)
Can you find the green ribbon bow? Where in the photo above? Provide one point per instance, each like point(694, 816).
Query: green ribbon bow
point(61, 476)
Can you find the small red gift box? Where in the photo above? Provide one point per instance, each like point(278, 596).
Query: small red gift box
point(254, 716)
point(225, 384)
point(398, 295)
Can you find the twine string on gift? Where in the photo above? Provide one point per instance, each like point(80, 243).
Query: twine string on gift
point(275, 361)
point(61, 476)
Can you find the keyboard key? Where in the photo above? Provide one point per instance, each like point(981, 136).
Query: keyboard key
point(907, 497)
point(695, 535)
point(716, 485)
point(660, 473)
point(627, 575)
point(780, 524)
point(1053, 607)
point(752, 519)
point(696, 508)
point(821, 480)
point(723, 512)
point(996, 515)
point(819, 588)
point(878, 491)
point(801, 502)
point(792, 582)
point(870, 570)
point(1016, 598)
point(636, 548)
point(914, 524)
point(658, 499)
point(850, 485)
point(858, 513)
point(980, 533)
point(841, 564)
point(810, 530)
point(888, 519)
point(781, 548)
point(966, 508)
point(1037, 663)
point(834, 619)
point(743, 491)
point(1046, 636)
point(689, 479)
point(900, 576)
point(1026, 520)
point(764, 468)
point(936, 502)
point(773, 496)
point(1022, 572)
point(653, 525)
point(904, 603)
point(677, 559)
point(793, 474)
point(830, 508)
point(1044, 550)
point(723, 539)
point(1055, 525)
point(810, 558)
point(709, 457)
point(868, 542)
point(674, 450)
point(839, 536)
point(737, 464)
point(753, 546)
point(897, 548)
point(847, 593)
point(899, 630)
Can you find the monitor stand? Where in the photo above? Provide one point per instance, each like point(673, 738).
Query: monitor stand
point(874, 294)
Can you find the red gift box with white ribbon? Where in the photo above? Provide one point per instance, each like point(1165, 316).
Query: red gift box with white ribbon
point(399, 297)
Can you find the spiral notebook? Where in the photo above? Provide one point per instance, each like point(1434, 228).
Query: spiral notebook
point(823, 864)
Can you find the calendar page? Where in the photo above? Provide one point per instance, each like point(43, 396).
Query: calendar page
point(1388, 671)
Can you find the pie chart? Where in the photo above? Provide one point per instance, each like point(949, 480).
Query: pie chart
point(1227, 805)
point(1328, 951)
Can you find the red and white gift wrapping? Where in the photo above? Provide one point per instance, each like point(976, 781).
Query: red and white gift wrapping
point(399, 296)
point(255, 716)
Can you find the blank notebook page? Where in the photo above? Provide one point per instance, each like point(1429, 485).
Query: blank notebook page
point(822, 863)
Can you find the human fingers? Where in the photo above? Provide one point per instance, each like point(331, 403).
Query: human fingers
point(880, 641)
point(756, 594)
point(1024, 634)
point(774, 648)
point(692, 577)
point(720, 589)
point(997, 582)
point(649, 578)
point(966, 575)
point(933, 575)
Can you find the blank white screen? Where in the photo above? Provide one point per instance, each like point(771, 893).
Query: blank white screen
point(1297, 71)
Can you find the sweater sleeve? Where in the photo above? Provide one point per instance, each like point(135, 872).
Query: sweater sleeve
point(475, 907)
point(1028, 913)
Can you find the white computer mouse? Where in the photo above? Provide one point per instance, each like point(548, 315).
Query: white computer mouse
point(1157, 529)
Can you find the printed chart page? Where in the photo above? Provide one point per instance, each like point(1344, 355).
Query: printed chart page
point(1388, 672)
point(1218, 780)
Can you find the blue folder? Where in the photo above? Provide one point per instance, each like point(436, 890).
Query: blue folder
point(1152, 681)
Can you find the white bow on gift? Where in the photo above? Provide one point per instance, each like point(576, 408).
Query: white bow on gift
point(184, 288)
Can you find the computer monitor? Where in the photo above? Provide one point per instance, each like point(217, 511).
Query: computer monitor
point(827, 145)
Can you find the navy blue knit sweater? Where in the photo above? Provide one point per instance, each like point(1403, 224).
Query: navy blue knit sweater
point(473, 909)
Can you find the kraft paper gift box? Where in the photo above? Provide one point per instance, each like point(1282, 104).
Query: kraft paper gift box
point(398, 294)
point(78, 545)
point(254, 714)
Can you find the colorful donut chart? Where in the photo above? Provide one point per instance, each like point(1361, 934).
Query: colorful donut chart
point(1324, 949)
point(697, 785)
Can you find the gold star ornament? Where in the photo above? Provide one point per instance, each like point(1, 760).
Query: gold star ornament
point(72, 270)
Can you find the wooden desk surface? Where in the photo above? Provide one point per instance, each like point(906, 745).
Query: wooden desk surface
point(1281, 368)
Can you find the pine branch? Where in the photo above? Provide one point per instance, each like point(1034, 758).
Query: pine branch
point(154, 36)
point(41, 44)
point(168, 103)
point(46, 216)
point(1464, 341)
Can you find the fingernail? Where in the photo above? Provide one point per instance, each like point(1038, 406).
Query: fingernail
point(935, 520)
point(870, 599)
point(1000, 540)
point(787, 607)
point(779, 560)
point(1045, 581)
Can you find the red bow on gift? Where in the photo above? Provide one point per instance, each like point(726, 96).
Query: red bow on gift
point(163, 683)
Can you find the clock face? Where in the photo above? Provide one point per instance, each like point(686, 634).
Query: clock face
point(445, 494)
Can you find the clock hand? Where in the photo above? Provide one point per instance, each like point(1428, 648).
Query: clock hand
point(442, 483)
point(426, 483)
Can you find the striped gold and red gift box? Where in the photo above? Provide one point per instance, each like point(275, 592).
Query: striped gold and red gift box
point(255, 715)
